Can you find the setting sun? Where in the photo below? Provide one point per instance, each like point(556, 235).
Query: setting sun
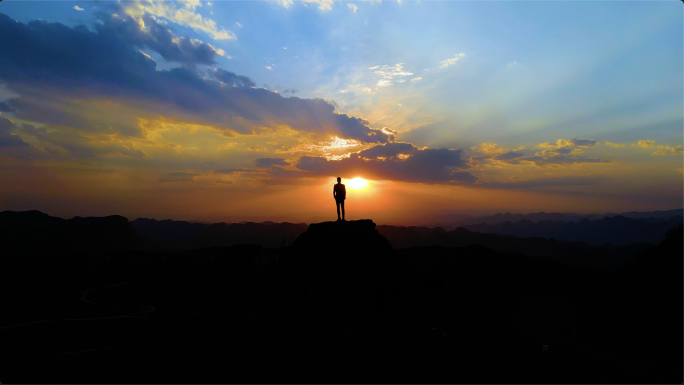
point(357, 183)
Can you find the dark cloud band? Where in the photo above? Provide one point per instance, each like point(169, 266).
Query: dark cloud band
point(54, 62)
point(432, 166)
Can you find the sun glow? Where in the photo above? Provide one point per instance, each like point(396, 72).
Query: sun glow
point(357, 183)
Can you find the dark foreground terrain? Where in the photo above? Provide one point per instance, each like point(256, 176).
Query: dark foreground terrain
point(88, 300)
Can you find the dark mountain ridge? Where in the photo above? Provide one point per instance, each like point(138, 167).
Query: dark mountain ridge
point(340, 305)
point(579, 254)
point(618, 230)
point(178, 235)
point(32, 231)
point(464, 220)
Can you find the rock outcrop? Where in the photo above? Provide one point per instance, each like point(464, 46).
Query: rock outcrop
point(339, 248)
point(343, 237)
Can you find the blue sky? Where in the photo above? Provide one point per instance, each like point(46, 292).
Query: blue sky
point(512, 86)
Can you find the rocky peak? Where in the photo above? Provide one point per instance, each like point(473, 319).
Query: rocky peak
point(343, 236)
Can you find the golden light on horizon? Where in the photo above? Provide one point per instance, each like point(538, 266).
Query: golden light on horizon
point(357, 183)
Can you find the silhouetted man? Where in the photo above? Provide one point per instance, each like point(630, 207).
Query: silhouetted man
point(340, 194)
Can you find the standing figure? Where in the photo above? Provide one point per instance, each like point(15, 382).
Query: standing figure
point(340, 194)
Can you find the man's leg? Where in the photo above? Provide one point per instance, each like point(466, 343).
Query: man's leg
point(338, 209)
point(338, 213)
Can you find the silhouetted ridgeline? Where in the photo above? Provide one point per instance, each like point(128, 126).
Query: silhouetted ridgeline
point(339, 305)
point(576, 254)
point(31, 232)
point(179, 235)
point(617, 230)
point(465, 220)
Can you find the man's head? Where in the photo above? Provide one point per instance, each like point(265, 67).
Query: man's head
point(339, 180)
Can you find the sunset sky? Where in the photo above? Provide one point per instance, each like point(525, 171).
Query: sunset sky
point(248, 110)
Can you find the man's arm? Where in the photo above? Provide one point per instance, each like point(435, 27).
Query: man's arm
point(334, 191)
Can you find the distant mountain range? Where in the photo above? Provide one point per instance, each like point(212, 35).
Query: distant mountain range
point(578, 254)
point(606, 243)
point(178, 235)
point(340, 304)
point(617, 230)
point(31, 232)
point(452, 221)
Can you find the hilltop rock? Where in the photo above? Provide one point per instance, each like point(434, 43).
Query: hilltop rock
point(348, 247)
point(345, 236)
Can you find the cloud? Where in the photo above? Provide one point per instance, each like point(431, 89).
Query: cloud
point(238, 25)
point(280, 176)
point(611, 144)
point(60, 144)
point(4, 107)
point(431, 166)
point(146, 55)
point(546, 182)
point(565, 147)
point(12, 145)
point(325, 5)
point(158, 37)
point(232, 79)
point(7, 138)
point(509, 156)
point(552, 158)
point(185, 16)
point(584, 142)
point(76, 145)
point(353, 7)
point(54, 110)
point(668, 150)
point(115, 69)
point(390, 73)
point(453, 60)
point(257, 148)
point(239, 170)
point(390, 150)
point(269, 68)
point(226, 146)
point(565, 143)
point(76, 7)
point(267, 162)
point(557, 160)
point(489, 148)
point(416, 79)
point(329, 149)
point(662, 149)
point(178, 177)
point(645, 143)
point(561, 153)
